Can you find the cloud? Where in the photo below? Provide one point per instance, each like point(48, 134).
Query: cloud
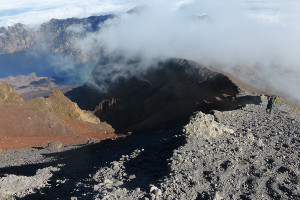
point(34, 12)
point(79, 28)
point(256, 34)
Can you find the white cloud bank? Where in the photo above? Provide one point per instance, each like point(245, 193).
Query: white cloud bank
point(34, 12)
point(261, 34)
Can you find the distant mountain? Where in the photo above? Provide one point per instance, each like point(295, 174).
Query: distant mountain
point(56, 35)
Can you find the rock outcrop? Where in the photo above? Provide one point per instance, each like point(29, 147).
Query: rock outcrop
point(8, 95)
point(206, 126)
point(60, 105)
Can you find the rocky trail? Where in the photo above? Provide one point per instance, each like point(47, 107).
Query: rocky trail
point(237, 154)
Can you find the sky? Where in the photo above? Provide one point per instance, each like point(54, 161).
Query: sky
point(34, 12)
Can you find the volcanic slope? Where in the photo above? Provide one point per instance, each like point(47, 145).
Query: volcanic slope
point(39, 121)
point(167, 93)
point(238, 154)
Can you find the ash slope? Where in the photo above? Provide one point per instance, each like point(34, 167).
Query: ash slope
point(238, 154)
point(247, 155)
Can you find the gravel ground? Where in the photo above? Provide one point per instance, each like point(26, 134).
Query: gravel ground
point(260, 160)
point(238, 154)
point(10, 158)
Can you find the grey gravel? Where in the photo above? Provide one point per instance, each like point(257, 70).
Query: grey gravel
point(237, 154)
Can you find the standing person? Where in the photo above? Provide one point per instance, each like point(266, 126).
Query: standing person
point(270, 105)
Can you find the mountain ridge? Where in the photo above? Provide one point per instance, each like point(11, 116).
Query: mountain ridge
point(56, 35)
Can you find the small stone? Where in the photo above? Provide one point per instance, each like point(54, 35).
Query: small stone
point(54, 145)
point(153, 188)
point(153, 196)
point(107, 182)
point(132, 176)
point(118, 183)
point(116, 168)
point(158, 192)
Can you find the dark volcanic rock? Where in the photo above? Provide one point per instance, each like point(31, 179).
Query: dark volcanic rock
point(167, 93)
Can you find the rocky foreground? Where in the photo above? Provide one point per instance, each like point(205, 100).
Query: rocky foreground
point(237, 154)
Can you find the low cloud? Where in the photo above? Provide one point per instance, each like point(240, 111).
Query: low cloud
point(79, 28)
point(254, 34)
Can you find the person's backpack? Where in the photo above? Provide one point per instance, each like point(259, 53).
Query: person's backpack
point(271, 102)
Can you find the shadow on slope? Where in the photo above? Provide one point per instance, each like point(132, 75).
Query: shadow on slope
point(78, 164)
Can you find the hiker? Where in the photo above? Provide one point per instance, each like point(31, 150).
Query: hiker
point(271, 103)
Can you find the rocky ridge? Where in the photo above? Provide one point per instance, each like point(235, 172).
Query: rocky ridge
point(40, 121)
point(15, 38)
point(58, 35)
